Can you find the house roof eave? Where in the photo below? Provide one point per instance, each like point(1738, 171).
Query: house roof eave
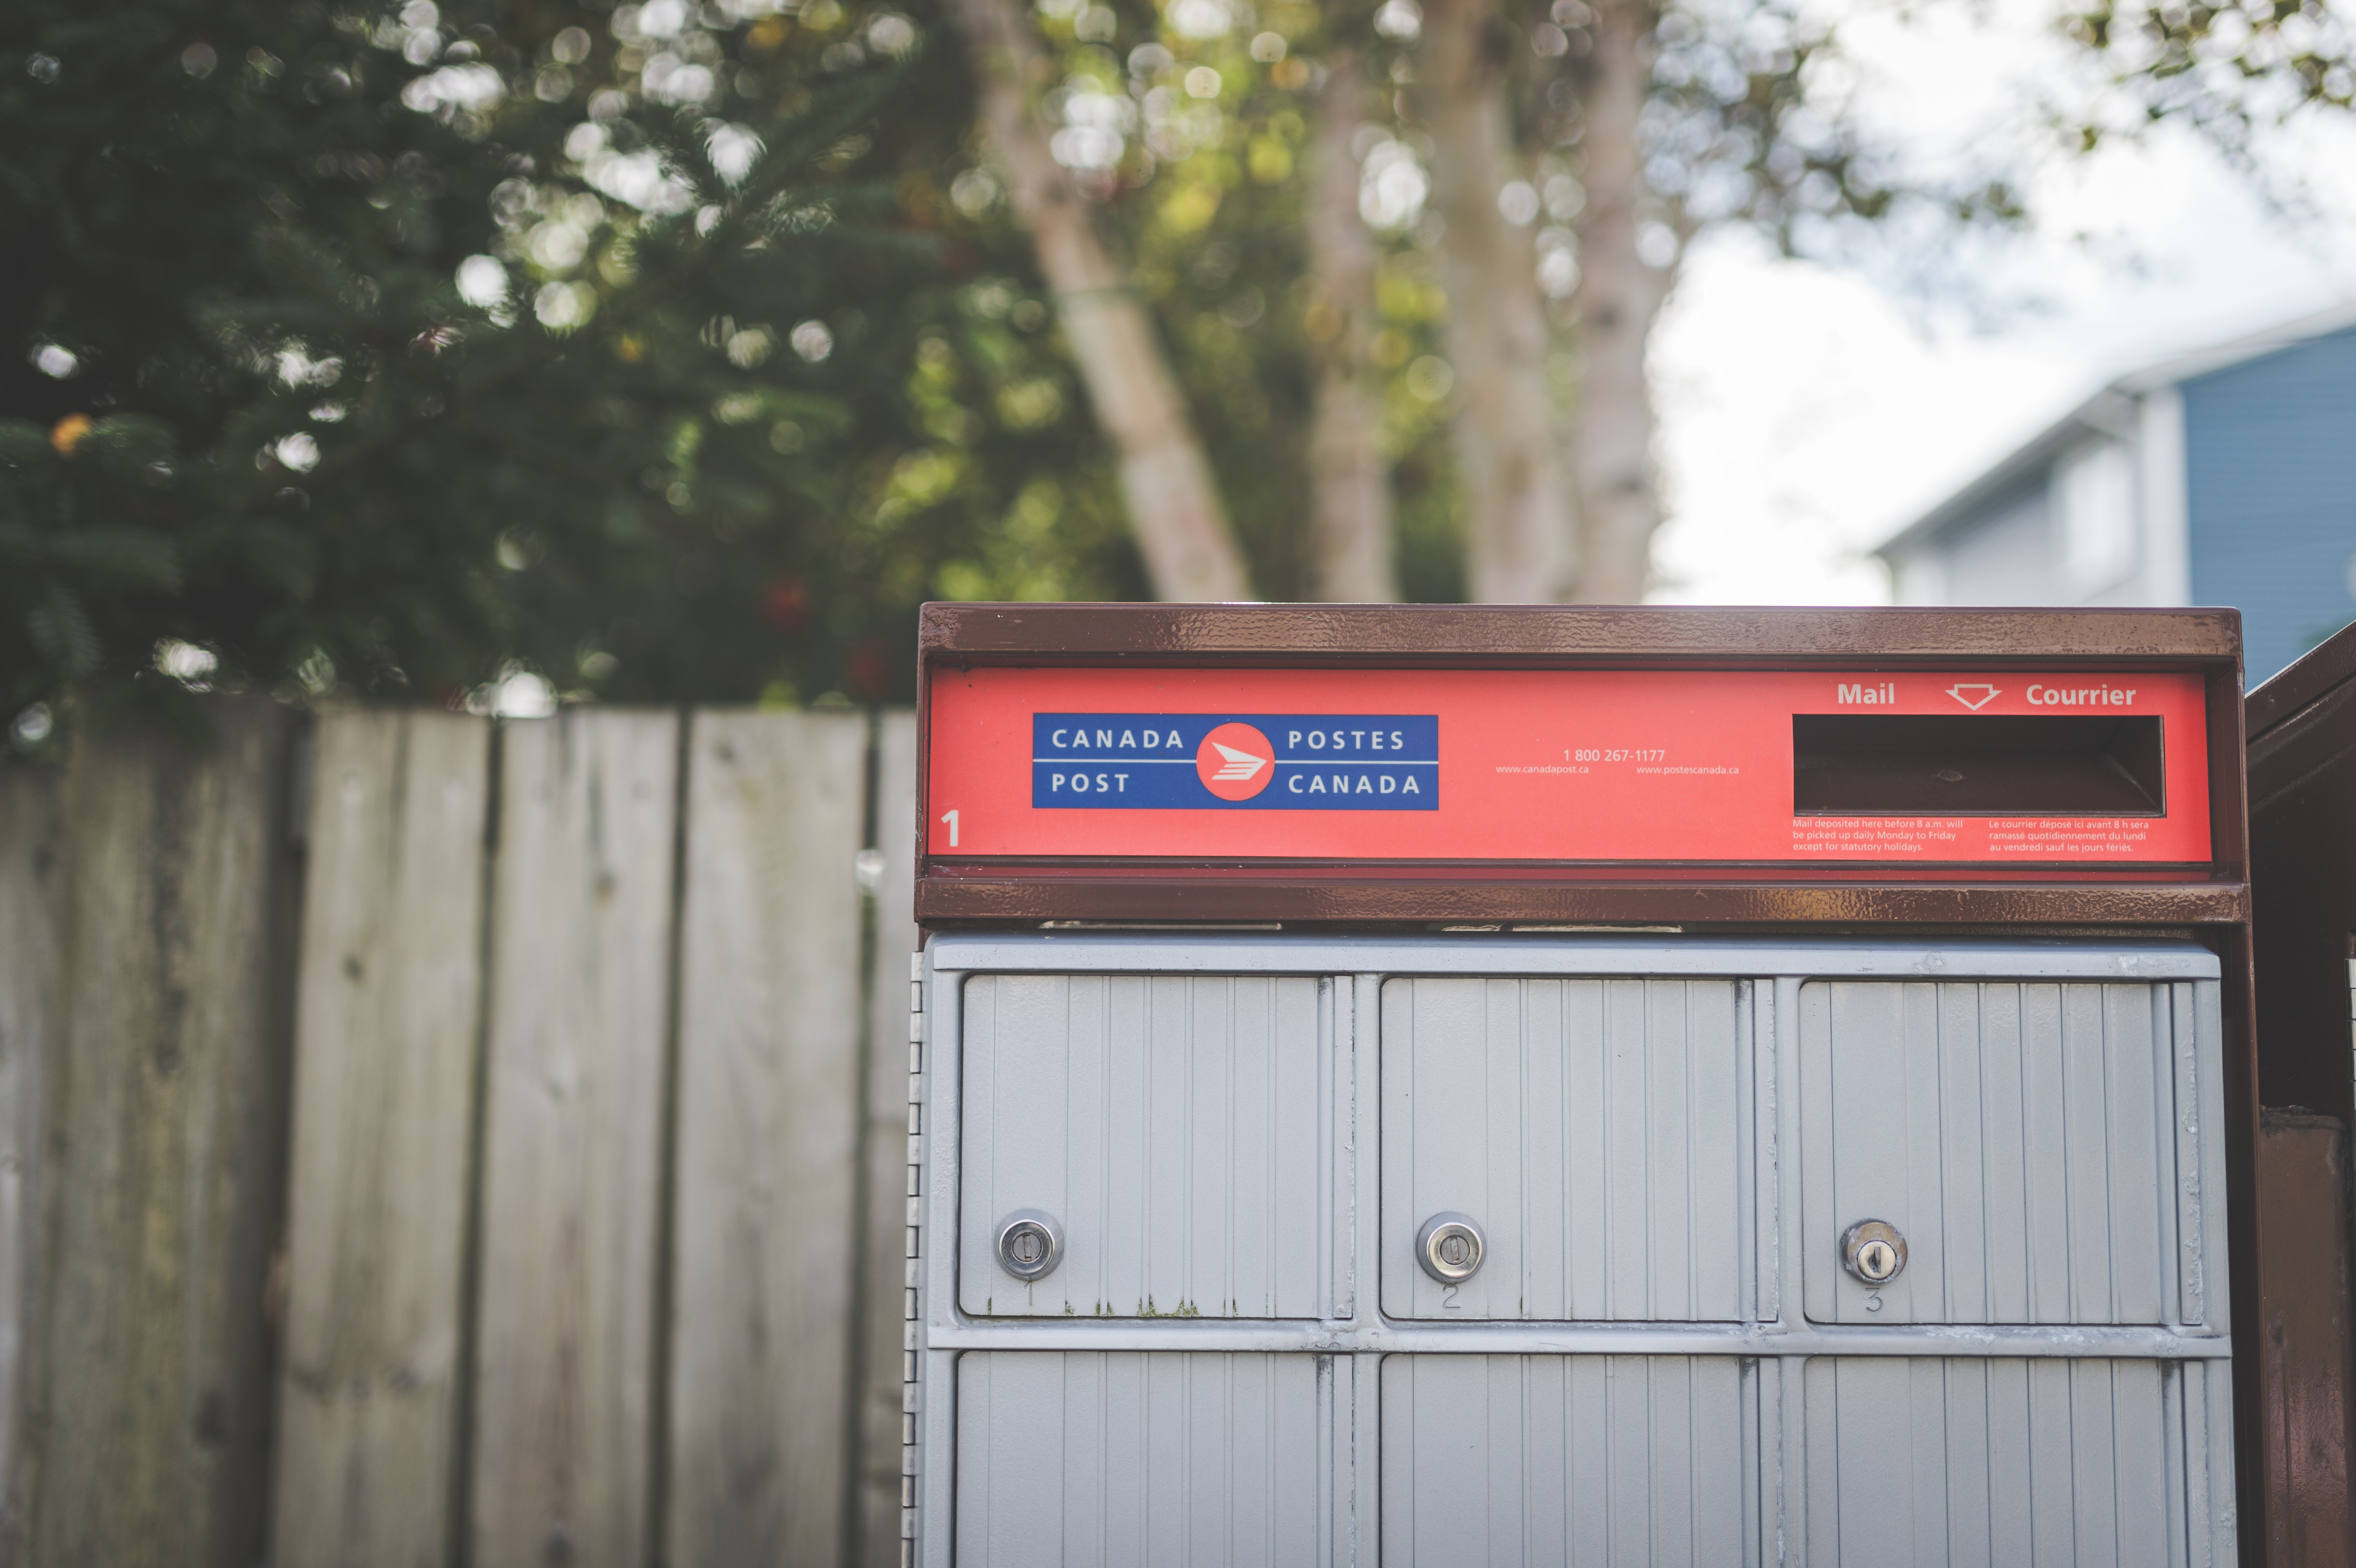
point(2106, 412)
point(2252, 345)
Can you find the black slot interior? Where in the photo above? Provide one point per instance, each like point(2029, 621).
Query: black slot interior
point(1864, 764)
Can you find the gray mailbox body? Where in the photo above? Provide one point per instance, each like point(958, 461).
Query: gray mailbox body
point(1835, 1241)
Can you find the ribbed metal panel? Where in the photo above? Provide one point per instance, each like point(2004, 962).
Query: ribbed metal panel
point(2023, 1138)
point(1646, 1142)
point(1648, 1461)
point(1171, 1124)
point(1593, 1128)
point(1999, 1462)
point(1109, 1459)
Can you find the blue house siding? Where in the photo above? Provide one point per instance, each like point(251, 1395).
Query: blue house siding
point(2270, 495)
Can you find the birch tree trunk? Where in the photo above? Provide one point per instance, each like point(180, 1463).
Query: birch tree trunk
point(1517, 502)
point(1618, 298)
point(1181, 528)
point(1350, 558)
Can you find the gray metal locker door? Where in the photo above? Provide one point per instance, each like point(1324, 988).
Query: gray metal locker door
point(2032, 1142)
point(1175, 1126)
point(2095, 1464)
point(1595, 1130)
point(1125, 1459)
point(1579, 1461)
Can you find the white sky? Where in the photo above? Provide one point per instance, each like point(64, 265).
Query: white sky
point(1808, 413)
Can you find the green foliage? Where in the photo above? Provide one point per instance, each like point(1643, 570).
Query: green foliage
point(1191, 126)
point(2230, 70)
point(1750, 124)
point(677, 351)
point(385, 347)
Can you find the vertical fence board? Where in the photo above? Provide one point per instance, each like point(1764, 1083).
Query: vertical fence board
point(387, 1018)
point(887, 1143)
point(768, 1104)
point(162, 1171)
point(580, 915)
point(32, 930)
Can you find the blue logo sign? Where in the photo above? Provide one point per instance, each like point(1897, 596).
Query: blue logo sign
point(1227, 761)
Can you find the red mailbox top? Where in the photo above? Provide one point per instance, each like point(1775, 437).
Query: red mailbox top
point(1420, 762)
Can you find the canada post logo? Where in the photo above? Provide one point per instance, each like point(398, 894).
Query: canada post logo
point(1250, 761)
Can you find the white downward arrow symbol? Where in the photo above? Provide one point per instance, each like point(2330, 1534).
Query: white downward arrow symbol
point(1975, 697)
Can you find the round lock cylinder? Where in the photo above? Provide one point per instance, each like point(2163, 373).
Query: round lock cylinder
point(1449, 1247)
point(1873, 1251)
point(1030, 1244)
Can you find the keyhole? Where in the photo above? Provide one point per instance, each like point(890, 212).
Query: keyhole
point(1449, 1247)
point(1030, 1244)
point(1873, 1251)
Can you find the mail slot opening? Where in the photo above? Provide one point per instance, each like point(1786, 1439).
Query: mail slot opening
point(1861, 764)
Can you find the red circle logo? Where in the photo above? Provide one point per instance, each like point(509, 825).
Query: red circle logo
point(1234, 761)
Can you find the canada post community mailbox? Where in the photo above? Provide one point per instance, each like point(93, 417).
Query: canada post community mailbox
point(1433, 1085)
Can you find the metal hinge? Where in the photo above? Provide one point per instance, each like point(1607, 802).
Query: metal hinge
point(912, 1299)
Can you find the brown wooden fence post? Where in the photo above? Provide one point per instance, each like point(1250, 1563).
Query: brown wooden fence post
point(883, 1291)
point(581, 949)
point(768, 1107)
point(389, 1020)
point(32, 936)
point(163, 1171)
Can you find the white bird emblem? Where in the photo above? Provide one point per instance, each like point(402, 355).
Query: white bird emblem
point(1240, 765)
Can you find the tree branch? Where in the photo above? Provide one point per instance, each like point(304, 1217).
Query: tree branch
point(1517, 502)
point(1173, 505)
point(1350, 516)
point(1618, 297)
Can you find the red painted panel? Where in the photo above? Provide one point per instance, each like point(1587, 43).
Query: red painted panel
point(1534, 765)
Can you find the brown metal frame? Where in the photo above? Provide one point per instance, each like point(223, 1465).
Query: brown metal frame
point(2302, 768)
point(2303, 846)
point(2210, 903)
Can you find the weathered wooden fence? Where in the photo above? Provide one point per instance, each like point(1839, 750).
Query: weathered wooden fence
point(430, 1141)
